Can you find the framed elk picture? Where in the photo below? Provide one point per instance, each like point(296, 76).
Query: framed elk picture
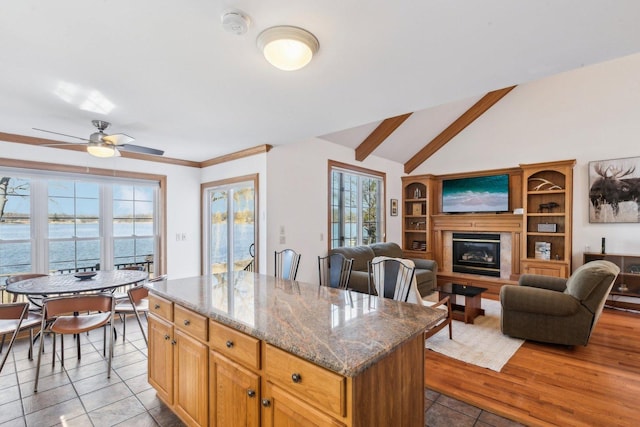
point(614, 190)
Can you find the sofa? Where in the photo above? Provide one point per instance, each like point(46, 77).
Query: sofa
point(425, 272)
point(557, 310)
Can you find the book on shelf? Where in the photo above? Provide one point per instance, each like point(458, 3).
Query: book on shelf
point(543, 250)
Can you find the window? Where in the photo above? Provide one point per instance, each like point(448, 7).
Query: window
point(356, 208)
point(53, 222)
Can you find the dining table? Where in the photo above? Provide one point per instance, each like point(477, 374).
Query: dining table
point(73, 283)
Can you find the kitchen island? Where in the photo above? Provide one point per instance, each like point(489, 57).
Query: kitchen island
point(250, 349)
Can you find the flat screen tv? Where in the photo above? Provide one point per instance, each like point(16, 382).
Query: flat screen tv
point(476, 194)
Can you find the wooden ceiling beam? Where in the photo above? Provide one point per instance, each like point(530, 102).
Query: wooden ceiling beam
point(377, 137)
point(469, 116)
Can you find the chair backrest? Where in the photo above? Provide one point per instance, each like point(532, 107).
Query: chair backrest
point(591, 283)
point(133, 268)
point(13, 311)
point(19, 277)
point(334, 270)
point(137, 294)
point(57, 306)
point(286, 264)
point(391, 277)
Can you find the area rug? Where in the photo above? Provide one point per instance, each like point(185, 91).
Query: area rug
point(481, 343)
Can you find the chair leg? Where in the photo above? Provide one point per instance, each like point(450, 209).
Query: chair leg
point(53, 354)
point(110, 349)
point(31, 344)
point(40, 350)
point(141, 327)
point(78, 346)
point(124, 325)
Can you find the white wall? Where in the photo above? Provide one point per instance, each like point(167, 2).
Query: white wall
point(588, 114)
point(183, 197)
point(297, 199)
point(241, 167)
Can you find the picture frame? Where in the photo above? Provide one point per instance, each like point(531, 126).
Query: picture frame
point(613, 188)
point(394, 207)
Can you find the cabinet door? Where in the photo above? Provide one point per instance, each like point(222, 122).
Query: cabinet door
point(280, 408)
point(234, 394)
point(191, 384)
point(160, 362)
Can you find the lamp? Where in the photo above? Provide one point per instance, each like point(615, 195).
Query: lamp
point(288, 48)
point(100, 149)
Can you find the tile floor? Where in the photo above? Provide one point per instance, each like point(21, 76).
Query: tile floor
point(80, 394)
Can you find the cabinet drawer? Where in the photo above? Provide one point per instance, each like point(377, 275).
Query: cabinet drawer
point(161, 307)
point(235, 345)
point(192, 323)
point(316, 385)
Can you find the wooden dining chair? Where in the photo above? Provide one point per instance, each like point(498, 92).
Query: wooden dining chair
point(286, 264)
point(445, 305)
point(75, 314)
point(334, 271)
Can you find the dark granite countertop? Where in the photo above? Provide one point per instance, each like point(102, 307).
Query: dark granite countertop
point(345, 332)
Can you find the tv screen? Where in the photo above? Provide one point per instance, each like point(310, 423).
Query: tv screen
point(476, 194)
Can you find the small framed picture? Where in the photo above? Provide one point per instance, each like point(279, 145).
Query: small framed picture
point(394, 207)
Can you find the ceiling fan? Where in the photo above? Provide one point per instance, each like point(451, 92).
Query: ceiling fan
point(100, 144)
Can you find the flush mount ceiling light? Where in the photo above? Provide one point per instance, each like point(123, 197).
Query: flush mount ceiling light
point(101, 149)
point(288, 48)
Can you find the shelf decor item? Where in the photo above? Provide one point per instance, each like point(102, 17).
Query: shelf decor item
point(613, 190)
point(417, 193)
point(543, 250)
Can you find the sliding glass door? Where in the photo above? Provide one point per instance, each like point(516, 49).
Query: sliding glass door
point(230, 227)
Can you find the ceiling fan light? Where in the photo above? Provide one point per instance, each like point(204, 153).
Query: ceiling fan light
point(100, 149)
point(288, 48)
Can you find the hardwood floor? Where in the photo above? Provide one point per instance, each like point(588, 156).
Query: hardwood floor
point(545, 385)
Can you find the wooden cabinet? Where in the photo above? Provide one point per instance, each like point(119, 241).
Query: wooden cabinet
point(547, 218)
point(178, 359)
point(211, 374)
point(625, 292)
point(284, 409)
point(417, 206)
point(160, 361)
point(234, 394)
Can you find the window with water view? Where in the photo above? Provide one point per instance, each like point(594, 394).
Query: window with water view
point(57, 224)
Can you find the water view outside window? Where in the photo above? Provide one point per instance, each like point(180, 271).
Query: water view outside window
point(73, 224)
point(15, 225)
point(133, 224)
point(230, 243)
point(356, 211)
point(58, 224)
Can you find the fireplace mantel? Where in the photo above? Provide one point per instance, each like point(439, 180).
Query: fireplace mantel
point(477, 222)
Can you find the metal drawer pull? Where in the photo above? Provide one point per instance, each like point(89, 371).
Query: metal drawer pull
point(266, 403)
point(166, 337)
point(251, 393)
point(174, 342)
point(157, 306)
point(229, 344)
point(296, 378)
point(186, 322)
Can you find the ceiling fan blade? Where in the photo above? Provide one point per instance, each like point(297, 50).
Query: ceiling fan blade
point(62, 134)
point(140, 149)
point(118, 139)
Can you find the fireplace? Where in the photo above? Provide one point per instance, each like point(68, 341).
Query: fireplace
point(476, 253)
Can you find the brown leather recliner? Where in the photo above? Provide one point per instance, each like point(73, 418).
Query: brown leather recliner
point(557, 310)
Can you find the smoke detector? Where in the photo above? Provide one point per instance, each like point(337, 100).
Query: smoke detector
point(235, 22)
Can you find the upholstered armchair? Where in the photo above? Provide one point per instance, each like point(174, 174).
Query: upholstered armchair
point(557, 310)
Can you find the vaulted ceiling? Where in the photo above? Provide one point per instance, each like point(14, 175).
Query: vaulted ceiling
point(168, 74)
